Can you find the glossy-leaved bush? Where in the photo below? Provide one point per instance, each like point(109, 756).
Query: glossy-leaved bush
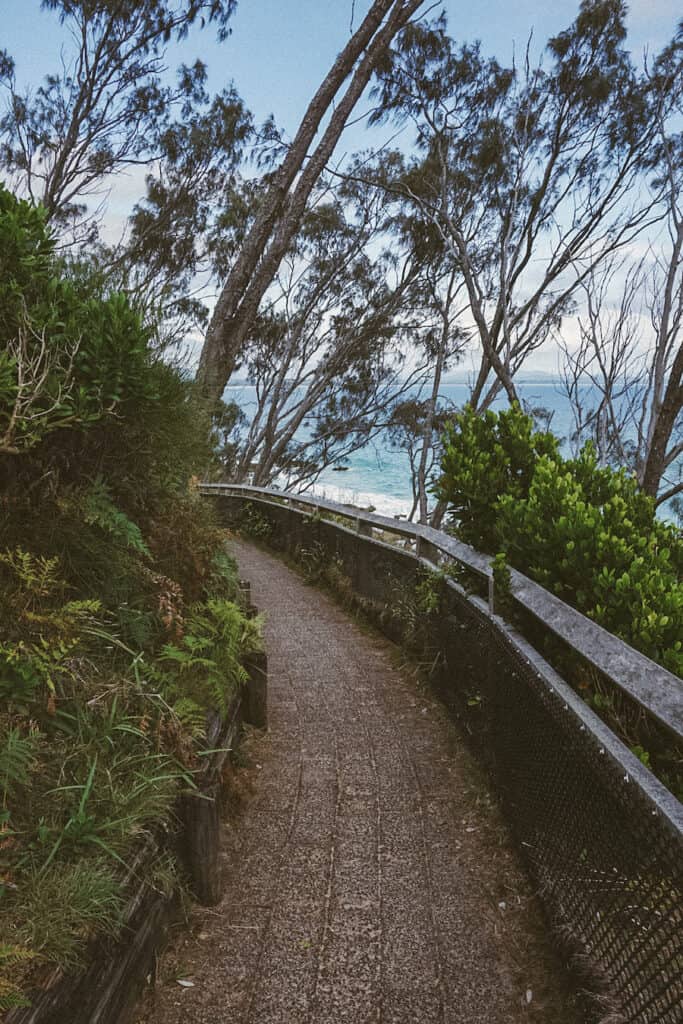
point(585, 532)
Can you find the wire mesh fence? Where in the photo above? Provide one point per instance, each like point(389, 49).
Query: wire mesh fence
point(602, 837)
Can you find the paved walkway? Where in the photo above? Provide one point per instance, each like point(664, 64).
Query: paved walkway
point(370, 878)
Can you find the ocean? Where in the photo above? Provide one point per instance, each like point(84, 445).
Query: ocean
point(379, 476)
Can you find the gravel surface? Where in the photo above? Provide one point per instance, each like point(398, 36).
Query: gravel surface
point(370, 878)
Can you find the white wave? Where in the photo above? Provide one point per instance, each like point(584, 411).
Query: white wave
point(383, 504)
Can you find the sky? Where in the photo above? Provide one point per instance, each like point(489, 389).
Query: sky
point(279, 51)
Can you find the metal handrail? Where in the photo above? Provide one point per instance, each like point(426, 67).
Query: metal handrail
point(656, 690)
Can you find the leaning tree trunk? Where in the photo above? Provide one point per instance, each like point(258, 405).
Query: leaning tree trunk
point(672, 404)
point(280, 214)
point(666, 415)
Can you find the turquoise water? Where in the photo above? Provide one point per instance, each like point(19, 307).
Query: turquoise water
point(380, 476)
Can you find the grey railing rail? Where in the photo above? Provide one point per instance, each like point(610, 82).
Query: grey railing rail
point(657, 691)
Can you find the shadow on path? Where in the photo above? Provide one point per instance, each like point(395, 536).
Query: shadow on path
point(370, 878)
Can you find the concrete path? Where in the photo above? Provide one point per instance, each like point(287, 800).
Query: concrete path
point(370, 878)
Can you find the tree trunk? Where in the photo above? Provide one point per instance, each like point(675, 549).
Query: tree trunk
point(427, 436)
point(666, 421)
point(280, 215)
point(664, 415)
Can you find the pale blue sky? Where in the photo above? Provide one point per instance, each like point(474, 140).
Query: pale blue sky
point(280, 49)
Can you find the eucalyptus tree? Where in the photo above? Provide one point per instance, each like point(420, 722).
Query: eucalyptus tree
point(178, 234)
point(529, 175)
point(417, 429)
point(417, 421)
point(99, 112)
point(328, 352)
point(112, 106)
point(625, 377)
point(602, 372)
point(284, 202)
point(662, 451)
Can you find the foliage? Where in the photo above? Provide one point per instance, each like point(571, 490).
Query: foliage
point(590, 536)
point(222, 579)
point(587, 533)
point(100, 510)
point(485, 457)
point(227, 420)
point(110, 103)
point(328, 353)
point(208, 662)
point(109, 562)
point(187, 546)
point(501, 581)
point(16, 757)
point(100, 112)
point(61, 906)
point(288, 194)
point(45, 631)
point(11, 995)
point(254, 523)
point(417, 427)
point(414, 604)
point(321, 569)
point(70, 357)
point(498, 149)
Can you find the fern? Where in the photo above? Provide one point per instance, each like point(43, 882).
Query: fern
point(222, 580)
point(69, 617)
point(10, 956)
point(26, 664)
point(191, 716)
point(11, 996)
point(43, 630)
point(208, 660)
point(17, 754)
point(19, 676)
point(100, 510)
point(252, 636)
point(35, 577)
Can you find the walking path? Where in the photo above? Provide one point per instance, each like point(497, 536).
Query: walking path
point(370, 878)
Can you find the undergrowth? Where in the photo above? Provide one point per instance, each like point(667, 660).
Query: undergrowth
point(119, 621)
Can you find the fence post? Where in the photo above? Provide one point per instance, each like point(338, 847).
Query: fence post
point(363, 528)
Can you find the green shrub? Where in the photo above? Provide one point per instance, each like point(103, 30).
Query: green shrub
point(69, 358)
point(208, 661)
point(485, 457)
point(118, 629)
point(586, 532)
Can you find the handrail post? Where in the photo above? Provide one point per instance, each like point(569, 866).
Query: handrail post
point(362, 528)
